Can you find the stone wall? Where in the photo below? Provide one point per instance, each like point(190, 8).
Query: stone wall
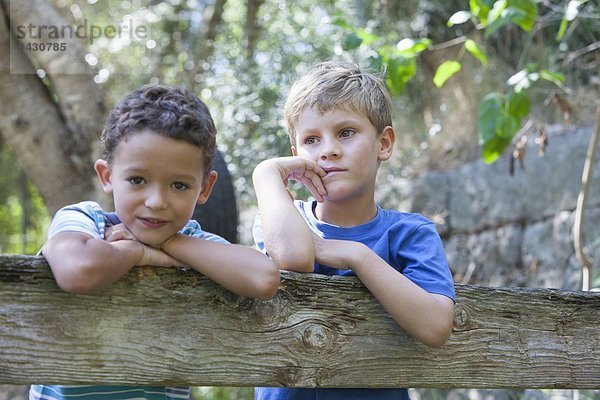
point(503, 230)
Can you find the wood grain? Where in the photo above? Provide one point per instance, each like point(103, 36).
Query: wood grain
point(173, 327)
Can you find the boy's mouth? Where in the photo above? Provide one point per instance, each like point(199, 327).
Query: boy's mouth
point(332, 170)
point(153, 222)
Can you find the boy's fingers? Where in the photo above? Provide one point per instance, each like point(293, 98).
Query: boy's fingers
point(315, 186)
point(313, 166)
point(117, 232)
point(114, 236)
point(320, 186)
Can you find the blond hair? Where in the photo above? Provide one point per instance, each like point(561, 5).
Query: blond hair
point(330, 85)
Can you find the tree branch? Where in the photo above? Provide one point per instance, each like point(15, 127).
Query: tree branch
point(586, 263)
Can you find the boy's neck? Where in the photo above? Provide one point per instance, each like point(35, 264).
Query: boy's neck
point(347, 214)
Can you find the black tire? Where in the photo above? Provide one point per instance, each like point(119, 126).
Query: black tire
point(219, 214)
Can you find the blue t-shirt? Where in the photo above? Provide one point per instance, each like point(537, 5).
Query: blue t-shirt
point(89, 218)
point(409, 243)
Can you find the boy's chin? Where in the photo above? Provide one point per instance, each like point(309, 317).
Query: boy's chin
point(151, 240)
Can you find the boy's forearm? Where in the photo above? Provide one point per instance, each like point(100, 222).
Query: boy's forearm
point(239, 268)
point(425, 316)
point(286, 235)
point(81, 264)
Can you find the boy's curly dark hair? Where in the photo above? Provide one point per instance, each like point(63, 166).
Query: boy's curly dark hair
point(165, 110)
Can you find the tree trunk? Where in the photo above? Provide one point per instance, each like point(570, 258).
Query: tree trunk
point(252, 28)
point(52, 125)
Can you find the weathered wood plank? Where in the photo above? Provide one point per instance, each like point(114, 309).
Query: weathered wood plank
point(162, 326)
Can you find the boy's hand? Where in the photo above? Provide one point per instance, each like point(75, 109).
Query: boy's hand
point(302, 170)
point(157, 258)
point(118, 232)
point(338, 254)
point(150, 255)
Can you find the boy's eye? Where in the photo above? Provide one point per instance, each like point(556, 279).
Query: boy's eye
point(136, 180)
point(310, 140)
point(180, 186)
point(346, 133)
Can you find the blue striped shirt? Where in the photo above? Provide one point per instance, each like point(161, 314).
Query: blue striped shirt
point(89, 218)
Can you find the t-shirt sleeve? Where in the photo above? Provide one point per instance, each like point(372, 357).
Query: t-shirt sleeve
point(422, 253)
point(85, 217)
point(194, 229)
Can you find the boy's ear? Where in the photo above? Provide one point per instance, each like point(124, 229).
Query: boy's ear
point(208, 184)
point(386, 143)
point(104, 175)
point(294, 152)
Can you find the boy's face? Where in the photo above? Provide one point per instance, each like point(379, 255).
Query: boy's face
point(156, 182)
point(347, 146)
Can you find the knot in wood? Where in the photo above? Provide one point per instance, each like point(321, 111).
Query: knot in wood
point(462, 319)
point(317, 337)
point(288, 376)
point(273, 312)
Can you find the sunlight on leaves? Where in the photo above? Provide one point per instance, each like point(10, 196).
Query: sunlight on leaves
point(445, 72)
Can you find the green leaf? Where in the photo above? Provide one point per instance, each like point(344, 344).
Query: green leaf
point(476, 51)
point(400, 71)
point(367, 38)
point(554, 77)
point(490, 107)
point(342, 23)
point(445, 71)
point(562, 29)
point(506, 126)
point(480, 9)
point(498, 121)
point(518, 105)
point(459, 17)
point(522, 13)
point(493, 149)
point(351, 42)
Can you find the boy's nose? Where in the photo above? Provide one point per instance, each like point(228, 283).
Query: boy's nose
point(156, 199)
point(330, 149)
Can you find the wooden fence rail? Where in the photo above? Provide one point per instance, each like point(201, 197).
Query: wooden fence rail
point(165, 326)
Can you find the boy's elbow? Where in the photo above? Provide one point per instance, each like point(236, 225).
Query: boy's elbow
point(299, 262)
point(438, 334)
point(269, 285)
point(74, 285)
point(75, 280)
point(437, 339)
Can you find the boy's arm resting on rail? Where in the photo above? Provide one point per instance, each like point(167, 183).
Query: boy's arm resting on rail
point(286, 235)
point(238, 268)
point(428, 317)
point(83, 264)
